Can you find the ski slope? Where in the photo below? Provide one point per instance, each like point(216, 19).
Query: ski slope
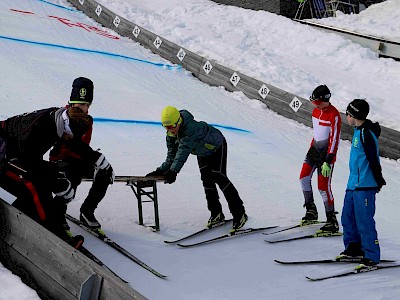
point(283, 53)
point(44, 45)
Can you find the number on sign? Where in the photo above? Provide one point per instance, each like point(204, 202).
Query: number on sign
point(98, 10)
point(181, 54)
point(263, 91)
point(157, 43)
point(207, 67)
point(136, 31)
point(235, 78)
point(116, 21)
point(295, 104)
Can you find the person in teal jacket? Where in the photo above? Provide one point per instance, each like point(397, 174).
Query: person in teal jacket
point(365, 180)
point(187, 136)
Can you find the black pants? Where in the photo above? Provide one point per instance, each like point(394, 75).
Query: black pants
point(213, 173)
point(75, 170)
point(33, 188)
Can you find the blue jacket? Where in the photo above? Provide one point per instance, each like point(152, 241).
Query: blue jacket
point(365, 168)
point(198, 138)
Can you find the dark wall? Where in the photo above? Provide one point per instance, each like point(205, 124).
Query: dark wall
point(289, 8)
point(285, 8)
point(370, 2)
point(268, 5)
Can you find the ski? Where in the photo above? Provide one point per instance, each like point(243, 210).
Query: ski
point(353, 271)
point(198, 232)
point(94, 258)
point(227, 236)
point(103, 237)
point(326, 261)
point(307, 236)
point(289, 227)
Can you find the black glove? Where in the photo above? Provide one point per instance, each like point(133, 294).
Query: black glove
point(157, 172)
point(170, 176)
point(381, 182)
point(110, 175)
point(103, 164)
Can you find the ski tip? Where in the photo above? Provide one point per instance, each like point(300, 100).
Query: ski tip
point(283, 262)
point(182, 245)
point(312, 279)
point(169, 242)
point(316, 279)
point(271, 242)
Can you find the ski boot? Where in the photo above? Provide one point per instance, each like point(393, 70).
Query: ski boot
point(215, 219)
point(352, 251)
point(238, 223)
point(366, 265)
point(89, 219)
point(311, 216)
point(331, 224)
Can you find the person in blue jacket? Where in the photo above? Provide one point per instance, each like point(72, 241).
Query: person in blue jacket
point(365, 180)
point(187, 136)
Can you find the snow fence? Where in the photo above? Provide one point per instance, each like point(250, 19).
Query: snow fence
point(215, 74)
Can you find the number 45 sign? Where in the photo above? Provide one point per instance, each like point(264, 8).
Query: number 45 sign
point(295, 104)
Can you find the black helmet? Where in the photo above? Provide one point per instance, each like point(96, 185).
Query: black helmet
point(321, 92)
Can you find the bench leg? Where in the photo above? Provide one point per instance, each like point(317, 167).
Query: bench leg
point(139, 201)
point(155, 200)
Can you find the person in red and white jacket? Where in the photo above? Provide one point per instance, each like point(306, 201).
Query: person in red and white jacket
point(321, 156)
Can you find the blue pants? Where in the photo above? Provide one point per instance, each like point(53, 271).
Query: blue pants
point(358, 222)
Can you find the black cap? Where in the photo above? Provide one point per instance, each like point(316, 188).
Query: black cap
point(321, 92)
point(82, 91)
point(358, 109)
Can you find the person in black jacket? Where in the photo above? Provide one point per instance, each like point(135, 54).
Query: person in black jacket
point(76, 166)
point(185, 136)
point(24, 139)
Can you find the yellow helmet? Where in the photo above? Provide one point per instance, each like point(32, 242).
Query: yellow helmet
point(170, 116)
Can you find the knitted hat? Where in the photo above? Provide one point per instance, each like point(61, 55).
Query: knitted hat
point(79, 121)
point(322, 93)
point(82, 91)
point(170, 116)
point(358, 109)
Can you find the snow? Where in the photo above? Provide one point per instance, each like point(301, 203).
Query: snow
point(264, 163)
point(283, 53)
point(380, 20)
